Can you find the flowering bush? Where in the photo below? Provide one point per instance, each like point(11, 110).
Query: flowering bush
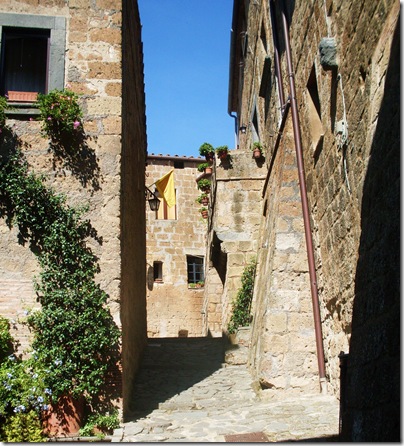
point(23, 398)
point(61, 114)
point(22, 386)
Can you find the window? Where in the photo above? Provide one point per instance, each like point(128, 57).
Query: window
point(24, 61)
point(165, 212)
point(195, 269)
point(158, 271)
point(32, 54)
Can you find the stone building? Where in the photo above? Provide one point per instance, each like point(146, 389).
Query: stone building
point(317, 84)
point(95, 50)
point(175, 252)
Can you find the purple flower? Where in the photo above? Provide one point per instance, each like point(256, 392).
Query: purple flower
point(76, 124)
point(49, 118)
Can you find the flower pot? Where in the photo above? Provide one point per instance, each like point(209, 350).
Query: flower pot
point(64, 418)
point(223, 156)
point(22, 96)
point(204, 214)
point(208, 171)
point(257, 153)
point(205, 201)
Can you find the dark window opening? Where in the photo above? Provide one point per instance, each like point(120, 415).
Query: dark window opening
point(24, 60)
point(158, 271)
point(178, 164)
point(313, 90)
point(195, 269)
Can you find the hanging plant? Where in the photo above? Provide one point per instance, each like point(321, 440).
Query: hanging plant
point(60, 113)
point(204, 212)
point(204, 185)
point(205, 167)
point(257, 150)
point(203, 199)
point(222, 152)
point(207, 151)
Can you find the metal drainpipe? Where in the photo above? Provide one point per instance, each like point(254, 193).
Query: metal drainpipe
point(276, 55)
point(305, 207)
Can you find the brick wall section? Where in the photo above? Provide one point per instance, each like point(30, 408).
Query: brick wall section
point(174, 309)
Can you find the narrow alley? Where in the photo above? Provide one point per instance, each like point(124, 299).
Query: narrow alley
point(184, 392)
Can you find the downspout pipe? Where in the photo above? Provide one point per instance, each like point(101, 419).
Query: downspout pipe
point(305, 206)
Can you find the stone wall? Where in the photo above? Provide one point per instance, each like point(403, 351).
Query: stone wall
point(347, 113)
point(132, 201)
point(234, 222)
point(173, 307)
point(97, 67)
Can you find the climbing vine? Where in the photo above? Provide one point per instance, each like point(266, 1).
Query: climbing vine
point(241, 314)
point(75, 336)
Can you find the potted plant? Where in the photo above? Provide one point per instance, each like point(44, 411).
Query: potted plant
point(204, 185)
point(203, 199)
point(222, 152)
point(60, 113)
point(205, 167)
point(257, 150)
point(204, 212)
point(207, 151)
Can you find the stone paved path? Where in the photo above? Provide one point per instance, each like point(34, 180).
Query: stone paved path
point(184, 393)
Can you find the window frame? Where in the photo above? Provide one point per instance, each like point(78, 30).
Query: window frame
point(158, 271)
point(194, 273)
point(56, 25)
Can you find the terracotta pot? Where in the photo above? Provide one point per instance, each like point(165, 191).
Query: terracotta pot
point(257, 153)
point(204, 214)
point(22, 96)
point(64, 418)
point(208, 170)
point(205, 201)
point(223, 156)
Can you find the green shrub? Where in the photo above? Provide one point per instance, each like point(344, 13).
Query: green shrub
point(6, 339)
point(206, 149)
point(204, 184)
point(105, 422)
point(241, 306)
point(23, 427)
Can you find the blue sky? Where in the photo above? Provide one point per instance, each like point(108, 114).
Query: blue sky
point(186, 47)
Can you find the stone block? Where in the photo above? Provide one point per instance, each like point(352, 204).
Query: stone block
point(276, 322)
point(101, 106)
point(104, 70)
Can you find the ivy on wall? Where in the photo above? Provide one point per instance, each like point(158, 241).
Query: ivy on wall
point(241, 307)
point(76, 343)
